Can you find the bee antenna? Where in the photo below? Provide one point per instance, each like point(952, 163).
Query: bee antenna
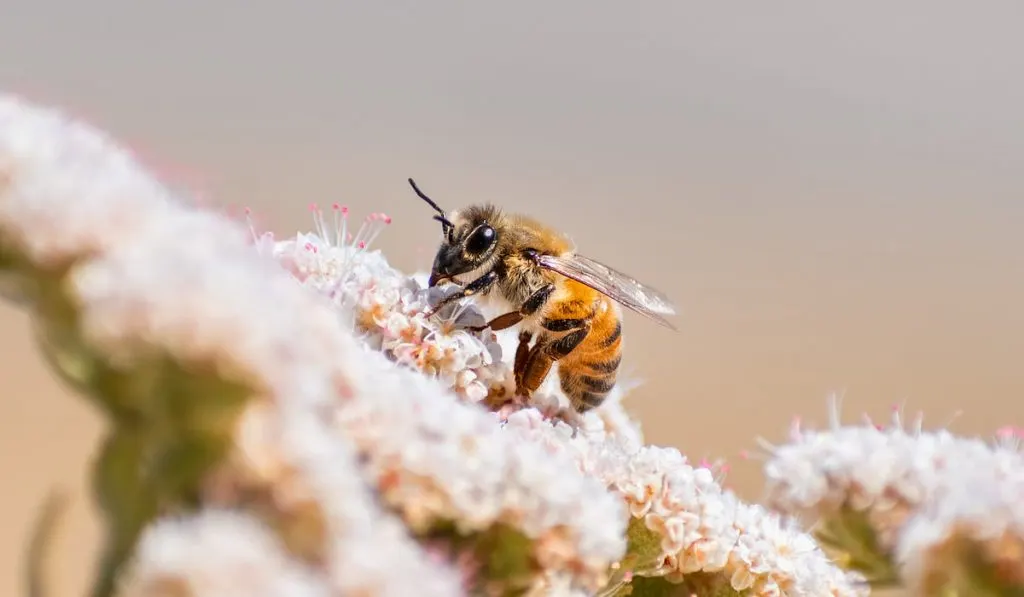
point(446, 224)
point(424, 197)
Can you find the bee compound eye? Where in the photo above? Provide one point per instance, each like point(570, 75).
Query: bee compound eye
point(480, 240)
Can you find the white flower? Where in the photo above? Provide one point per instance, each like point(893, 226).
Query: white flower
point(68, 190)
point(439, 460)
point(217, 554)
point(971, 525)
point(698, 525)
point(924, 496)
point(367, 546)
point(887, 472)
point(192, 290)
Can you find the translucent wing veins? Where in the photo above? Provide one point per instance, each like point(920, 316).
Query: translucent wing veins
point(618, 286)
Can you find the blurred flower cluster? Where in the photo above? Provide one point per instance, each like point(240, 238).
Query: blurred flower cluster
point(937, 513)
point(288, 418)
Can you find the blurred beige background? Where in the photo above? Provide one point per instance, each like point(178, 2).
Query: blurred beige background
point(833, 195)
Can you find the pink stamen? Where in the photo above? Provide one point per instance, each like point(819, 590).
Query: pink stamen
point(897, 420)
point(794, 428)
point(251, 221)
point(336, 233)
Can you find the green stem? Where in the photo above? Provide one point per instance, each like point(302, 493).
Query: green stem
point(127, 502)
point(41, 542)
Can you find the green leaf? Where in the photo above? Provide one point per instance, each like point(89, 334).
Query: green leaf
point(852, 540)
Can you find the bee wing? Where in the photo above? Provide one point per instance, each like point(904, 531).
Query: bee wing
point(622, 288)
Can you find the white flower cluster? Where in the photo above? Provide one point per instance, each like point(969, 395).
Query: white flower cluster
point(217, 554)
point(437, 460)
point(347, 474)
point(696, 525)
point(390, 309)
point(148, 278)
point(924, 495)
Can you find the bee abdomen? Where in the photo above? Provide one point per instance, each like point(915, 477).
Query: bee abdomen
point(589, 380)
point(598, 385)
point(613, 337)
point(590, 374)
point(610, 365)
point(587, 389)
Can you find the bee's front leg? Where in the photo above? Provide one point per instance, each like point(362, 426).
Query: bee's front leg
point(480, 285)
point(530, 306)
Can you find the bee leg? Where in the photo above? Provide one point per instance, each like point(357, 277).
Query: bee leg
point(544, 354)
point(570, 417)
point(478, 286)
point(499, 323)
point(530, 306)
point(522, 352)
point(536, 367)
point(518, 400)
point(537, 300)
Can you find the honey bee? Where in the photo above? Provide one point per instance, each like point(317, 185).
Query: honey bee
point(564, 300)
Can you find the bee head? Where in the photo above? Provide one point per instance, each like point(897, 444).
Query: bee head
point(469, 240)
